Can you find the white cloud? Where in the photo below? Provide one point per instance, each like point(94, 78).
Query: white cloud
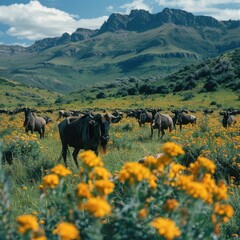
point(206, 7)
point(34, 21)
point(110, 8)
point(135, 4)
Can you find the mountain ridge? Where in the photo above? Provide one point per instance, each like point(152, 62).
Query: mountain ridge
point(138, 44)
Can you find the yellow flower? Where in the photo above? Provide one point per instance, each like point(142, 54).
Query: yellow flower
point(225, 211)
point(195, 189)
point(166, 228)
point(134, 172)
point(26, 223)
point(172, 149)
point(171, 204)
point(90, 159)
point(152, 181)
point(202, 164)
point(99, 173)
point(97, 207)
point(143, 213)
point(61, 171)
point(84, 190)
point(175, 170)
point(39, 238)
point(67, 231)
point(104, 187)
point(51, 180)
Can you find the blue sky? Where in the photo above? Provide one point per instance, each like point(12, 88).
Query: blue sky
point(25, 21)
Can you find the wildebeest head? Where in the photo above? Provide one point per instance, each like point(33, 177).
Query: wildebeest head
point(27, 112)
point(226, 116)
point(101, 124)
point(179, 115)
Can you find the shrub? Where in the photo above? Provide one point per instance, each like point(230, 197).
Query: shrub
point(211, 86)
point(101, 95)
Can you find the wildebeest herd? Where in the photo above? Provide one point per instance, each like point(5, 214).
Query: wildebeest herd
point(88, 131)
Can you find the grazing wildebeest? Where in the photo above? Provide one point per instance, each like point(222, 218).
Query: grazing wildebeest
point(228, 118)
point(183, 119)
point(33, 123)
point(208, 111)
point(145, 117)
point(63, 113)
point(161, 122)
point(89, 132)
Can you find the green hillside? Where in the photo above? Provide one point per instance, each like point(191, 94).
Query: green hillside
point(14, 94)
point(213, 83)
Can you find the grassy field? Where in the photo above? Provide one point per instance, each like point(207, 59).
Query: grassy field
point(223, 98)
point(34, 158)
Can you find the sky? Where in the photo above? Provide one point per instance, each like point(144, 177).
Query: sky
point(22, 22)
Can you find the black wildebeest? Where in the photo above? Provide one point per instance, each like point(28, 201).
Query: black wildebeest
point(33, 123)
point(89, 132)
point(64, 113)
point(228, 118)
point(161, 122)
point(183, 119)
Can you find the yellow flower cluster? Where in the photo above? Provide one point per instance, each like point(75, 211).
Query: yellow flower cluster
point(61, 171)
point(224, 211)
point(166, 228)
point(84, 190)
point(172, 149)
point(99, 173)
point(202, 165)
point(67, 231)
point(134, 172)
point(158, 163)
point(193, 188)
point(215, 192)
point(98, 207)
point(104, 187)
point(27, 223)
point(175, 170)
point(51, 180)
point(90, 159)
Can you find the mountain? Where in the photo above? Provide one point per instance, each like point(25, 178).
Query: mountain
point(138, 44)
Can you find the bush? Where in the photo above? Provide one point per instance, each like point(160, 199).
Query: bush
point(156, 199)
point(188, 96)
point(101, 95)
point(211, 86)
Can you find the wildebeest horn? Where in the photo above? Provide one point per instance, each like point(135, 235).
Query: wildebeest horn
point(114, 119)
point(91, 116)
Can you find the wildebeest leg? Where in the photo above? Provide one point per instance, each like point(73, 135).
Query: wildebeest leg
point(64, 154)
point(151, 132)
point(40, 133)
point(163, 133)
point(159, 129)
point(43, 131)
point(75, 154)
point(180, 127)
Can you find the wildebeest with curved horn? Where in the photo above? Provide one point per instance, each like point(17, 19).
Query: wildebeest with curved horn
point(228, 118)
point(34, 123)
point(161, 122)
point(182, 119)
point(89, 132)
